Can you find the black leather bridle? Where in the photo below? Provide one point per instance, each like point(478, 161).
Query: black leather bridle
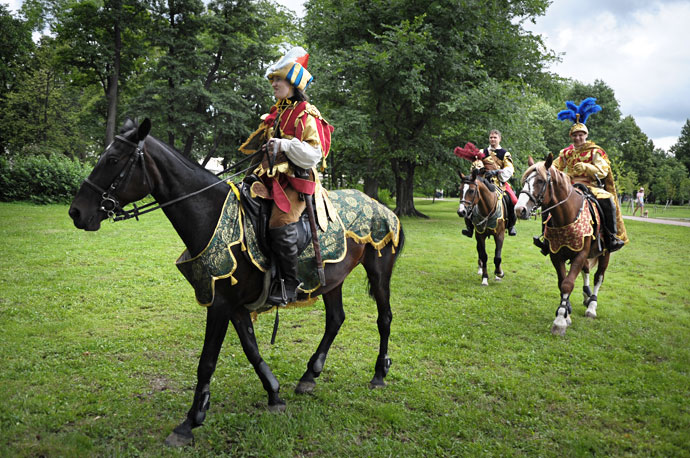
point(111, 206)
point(109, 203)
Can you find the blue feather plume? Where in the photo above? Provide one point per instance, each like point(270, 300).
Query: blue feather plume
point(586, 108)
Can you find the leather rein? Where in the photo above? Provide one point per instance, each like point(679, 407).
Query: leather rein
point(539, 200)
point(111, 206)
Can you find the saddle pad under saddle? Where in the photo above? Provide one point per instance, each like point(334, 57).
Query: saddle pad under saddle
point(482, 223)
point(358, 217)
point(572, 235)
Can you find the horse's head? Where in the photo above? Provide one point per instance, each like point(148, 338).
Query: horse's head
point(118, 178)
point(535, 185)
point(469, 195)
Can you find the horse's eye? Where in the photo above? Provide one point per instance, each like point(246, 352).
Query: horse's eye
point(112, 160)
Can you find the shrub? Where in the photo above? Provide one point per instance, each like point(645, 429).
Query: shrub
point(40, 179)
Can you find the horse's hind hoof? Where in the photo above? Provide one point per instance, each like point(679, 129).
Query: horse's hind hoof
point(591, 310)
point(305, 387)
point(178, 440)
point(374, 384)
point(277, 408)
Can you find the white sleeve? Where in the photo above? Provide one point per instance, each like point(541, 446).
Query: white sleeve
point(505, 174)
point(302, 154)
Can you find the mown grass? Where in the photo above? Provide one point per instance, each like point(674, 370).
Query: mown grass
point(101, 337)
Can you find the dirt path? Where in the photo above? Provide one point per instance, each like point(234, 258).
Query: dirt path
point(658, 221)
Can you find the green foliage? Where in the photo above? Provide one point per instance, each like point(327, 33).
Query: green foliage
point(41, 179)
point(681, 150)
point(101, 337)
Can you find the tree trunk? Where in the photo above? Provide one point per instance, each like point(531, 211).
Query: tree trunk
point(404, 189)
point(114, 76)
point(371, 187)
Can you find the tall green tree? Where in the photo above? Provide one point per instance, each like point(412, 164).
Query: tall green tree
point(16, 48)
point(403, 62)
point(99, 40)
point(681, 149)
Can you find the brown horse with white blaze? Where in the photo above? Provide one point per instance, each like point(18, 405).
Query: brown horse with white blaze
point(480, 202)
point(569, 233)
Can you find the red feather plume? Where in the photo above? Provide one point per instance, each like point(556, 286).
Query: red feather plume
point(469, 152)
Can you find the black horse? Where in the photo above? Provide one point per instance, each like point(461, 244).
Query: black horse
point(136, 165)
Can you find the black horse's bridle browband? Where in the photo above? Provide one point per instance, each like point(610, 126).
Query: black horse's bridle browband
point(111, 206)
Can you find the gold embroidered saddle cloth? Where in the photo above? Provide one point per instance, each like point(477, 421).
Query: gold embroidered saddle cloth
point(356, 216)
point(572, 235)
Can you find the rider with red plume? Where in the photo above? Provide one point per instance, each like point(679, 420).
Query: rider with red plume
point(498, 168)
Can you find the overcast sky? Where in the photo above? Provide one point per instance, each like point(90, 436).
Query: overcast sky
point(640, 48)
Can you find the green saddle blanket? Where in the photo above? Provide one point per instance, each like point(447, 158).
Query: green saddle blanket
point(358, 217)
point(483, 223)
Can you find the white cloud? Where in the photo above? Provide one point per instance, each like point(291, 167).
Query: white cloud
point(637, 48)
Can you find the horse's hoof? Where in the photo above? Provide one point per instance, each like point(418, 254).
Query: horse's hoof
point(178, 440)
point(305, 387)
point(591, 310)
point(277, 408)
point(374, 384)
point(497, 278)
point(558, 330)
point(485, 282)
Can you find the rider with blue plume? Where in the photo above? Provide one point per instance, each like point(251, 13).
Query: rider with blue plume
point(587, 163)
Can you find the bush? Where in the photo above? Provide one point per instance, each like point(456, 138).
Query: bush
point(40, 179)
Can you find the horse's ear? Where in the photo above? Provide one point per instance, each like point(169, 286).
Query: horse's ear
point(474, 174)
point(127, 125)
point(462, 175)
point(144, 129)
point(530, 161)
point(548, 162)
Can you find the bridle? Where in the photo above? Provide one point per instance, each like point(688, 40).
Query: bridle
point(472, 205)
point(539, 200)
point(111, 206)
point(109, 203)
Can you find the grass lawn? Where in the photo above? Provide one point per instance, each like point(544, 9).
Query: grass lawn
point(101, 337)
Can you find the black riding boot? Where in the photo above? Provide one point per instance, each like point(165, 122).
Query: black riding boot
point(470, 228)
point(284, 246)
point(608, 207)
point(510, 215)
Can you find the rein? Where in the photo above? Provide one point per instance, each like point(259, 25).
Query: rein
point(111, 206)
point(471, 205)
point(539, 200)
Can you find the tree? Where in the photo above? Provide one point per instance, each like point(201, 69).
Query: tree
point(99, 40)
point(681, 150)
point(16, 47)
point(404, 64)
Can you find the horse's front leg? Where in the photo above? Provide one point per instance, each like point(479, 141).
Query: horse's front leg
point(241, 320)
point(483, 258)
point(335, 316)
point(562, 320)
point(216, 328)
point(498, 270)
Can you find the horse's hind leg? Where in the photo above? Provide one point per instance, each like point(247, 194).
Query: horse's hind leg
point(598, 281)
point(379, 271)
point(335, 316)
point(216, 328)
point(498, 270)
point(586, 291)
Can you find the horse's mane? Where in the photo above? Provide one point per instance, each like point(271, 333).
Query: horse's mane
point(130, 125)
point(541, 170)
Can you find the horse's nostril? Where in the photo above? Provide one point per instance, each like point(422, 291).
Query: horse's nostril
point(73, 213)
